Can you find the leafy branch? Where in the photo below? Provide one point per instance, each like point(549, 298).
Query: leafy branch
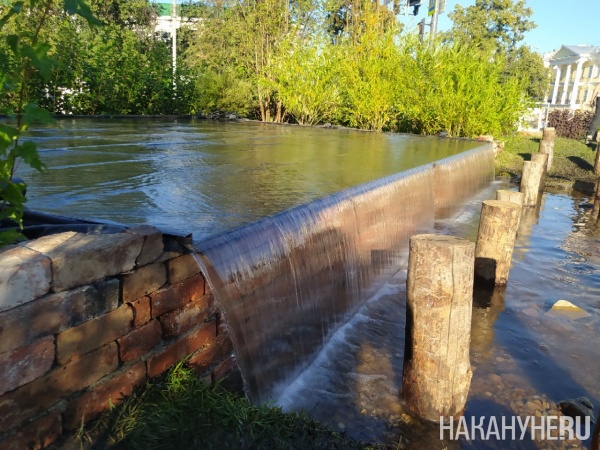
point(31, 55)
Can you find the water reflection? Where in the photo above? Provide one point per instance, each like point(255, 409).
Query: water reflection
point(206, 177)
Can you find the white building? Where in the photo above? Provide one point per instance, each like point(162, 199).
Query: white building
point(576, 80)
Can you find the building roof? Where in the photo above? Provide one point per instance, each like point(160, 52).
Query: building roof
point(583, 49)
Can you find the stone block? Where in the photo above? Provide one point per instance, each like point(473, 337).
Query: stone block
point(182, 319)
point(177, 295)
point(212, 354)
point(54, 313)
point(181, 268)
point(141, 311)
point(143, 281)
point(34, 397)
point(139, 341)
point(24, 275)
point(153, 244)
point(94, 333)
point(36, 435)
point(25, 364)
point(176, 351)
point(84, 258)
point(97, 400)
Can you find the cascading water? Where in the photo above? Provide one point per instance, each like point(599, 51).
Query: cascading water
point(288, 281)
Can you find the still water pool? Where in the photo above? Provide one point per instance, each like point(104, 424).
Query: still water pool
point(207, 177)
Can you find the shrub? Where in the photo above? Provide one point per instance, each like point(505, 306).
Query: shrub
point(570, 124)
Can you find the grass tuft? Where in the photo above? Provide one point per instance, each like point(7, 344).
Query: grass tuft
point(181, 411)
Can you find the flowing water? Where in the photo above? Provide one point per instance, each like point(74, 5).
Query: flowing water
point(330, 269)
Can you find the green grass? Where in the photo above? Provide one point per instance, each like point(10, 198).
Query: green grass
point(572, 166)
point(183, 412)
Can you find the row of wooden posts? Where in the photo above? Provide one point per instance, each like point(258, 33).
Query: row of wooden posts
point(441, 273)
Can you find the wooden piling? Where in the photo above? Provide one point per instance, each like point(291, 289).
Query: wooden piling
point(547, 148)
point(437, 371)
point(596, 210)
point(495, 241)
point(511, 196)
point(532, 178)
point(597, 160)
point(542, 160)
point(549, 134)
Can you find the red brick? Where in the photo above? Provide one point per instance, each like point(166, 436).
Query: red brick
point(209, 356)
point(143, 281)
point(32, 398)
point(25, 364)
point(82, 339)
point(92, 403)
point(36, 435)
point(178, 269)
point(177, 295)
point(141, 311)
point(140, 341)
point(56, 312)
point(179, 321)
point(181, 348)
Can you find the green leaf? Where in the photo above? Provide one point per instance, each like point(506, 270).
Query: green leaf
point(10, 237)
point(29, 154)
point(15, 9)
point(34, 114)
point(13, 193)
point(81, 8)
point(12, 40)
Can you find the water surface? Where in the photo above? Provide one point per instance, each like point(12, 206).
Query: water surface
point(207, 177)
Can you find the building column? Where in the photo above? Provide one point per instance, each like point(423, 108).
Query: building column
point(578, 74)
point(556, 83)
point(563, 99)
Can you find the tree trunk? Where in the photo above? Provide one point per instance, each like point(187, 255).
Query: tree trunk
point(437, 371)
point(495, 241)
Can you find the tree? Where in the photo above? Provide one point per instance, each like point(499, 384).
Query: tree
point(499, 26)
point(492, 23)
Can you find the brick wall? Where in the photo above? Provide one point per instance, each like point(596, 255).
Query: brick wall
point(85, 319)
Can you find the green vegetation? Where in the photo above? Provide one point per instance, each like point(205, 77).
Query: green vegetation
point(573, 160)
point(25, 60)
point(183, 412)
point(346, 62)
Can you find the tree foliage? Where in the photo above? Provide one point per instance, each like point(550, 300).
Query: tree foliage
point(499, 26)
point(26, 56)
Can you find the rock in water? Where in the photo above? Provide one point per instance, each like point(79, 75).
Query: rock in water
point(579, 407)
point(564, 308)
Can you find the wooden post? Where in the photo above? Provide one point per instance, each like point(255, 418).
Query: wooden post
point(495, 241)
point(542, 160)
point(547, 148)
point(437, 370)
point(549, 134)
point(596, 210)
point(531, 180)
point(597, 160)
point(511, 196)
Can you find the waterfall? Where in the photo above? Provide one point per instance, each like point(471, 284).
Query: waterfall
point(287, 281)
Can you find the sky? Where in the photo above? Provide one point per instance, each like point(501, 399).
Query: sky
point(559, 22)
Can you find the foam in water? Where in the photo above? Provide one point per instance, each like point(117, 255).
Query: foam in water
point(288, 281)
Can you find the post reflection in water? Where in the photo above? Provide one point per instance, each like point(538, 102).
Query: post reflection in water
point(487, 305)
